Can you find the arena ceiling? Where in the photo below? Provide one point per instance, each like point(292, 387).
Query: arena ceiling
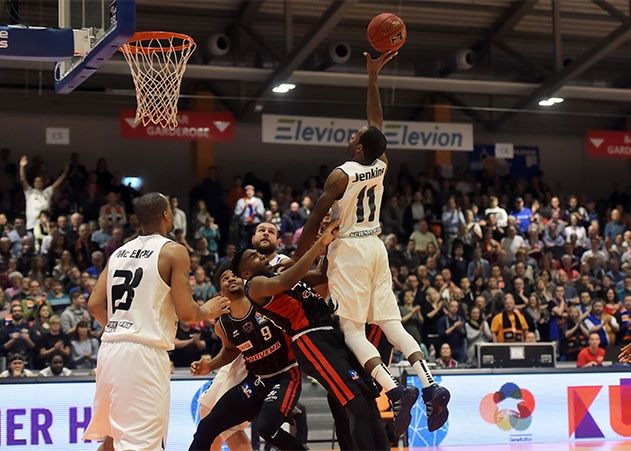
point(515, 53)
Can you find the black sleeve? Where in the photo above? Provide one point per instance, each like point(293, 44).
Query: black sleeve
point(426, 307)
point(551, 305)
point(443, 325)
point(246, 291)
point(4, 337)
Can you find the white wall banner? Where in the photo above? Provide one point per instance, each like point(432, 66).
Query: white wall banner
point(323, 131)
point(58, 136)
point(504, 150)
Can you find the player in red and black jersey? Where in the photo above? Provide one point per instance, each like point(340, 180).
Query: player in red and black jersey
point(272, 386)
point(319, 347)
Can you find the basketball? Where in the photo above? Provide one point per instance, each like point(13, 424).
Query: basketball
point(386, 32)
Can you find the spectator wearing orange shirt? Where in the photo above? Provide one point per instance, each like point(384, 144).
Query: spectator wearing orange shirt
point(510, 325)
point(592, 355)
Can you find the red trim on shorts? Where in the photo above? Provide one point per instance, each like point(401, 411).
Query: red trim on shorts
point(292, 390)
point(314, 361)
point(372, 329)
point(377, 336)
point(327, 365)
point(292, 401)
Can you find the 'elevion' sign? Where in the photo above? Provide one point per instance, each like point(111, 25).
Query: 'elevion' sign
point(322, 131)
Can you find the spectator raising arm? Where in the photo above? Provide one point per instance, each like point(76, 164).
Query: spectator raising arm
point(23, 164)
point(60, 180)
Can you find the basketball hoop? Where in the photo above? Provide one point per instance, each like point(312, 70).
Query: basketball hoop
point(157, 60)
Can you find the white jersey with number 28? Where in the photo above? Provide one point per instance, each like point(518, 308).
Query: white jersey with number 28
point(139, 304)
point(359, 207)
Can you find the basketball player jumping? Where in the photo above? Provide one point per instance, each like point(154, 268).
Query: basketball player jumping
point(139, 297)
point(272, 385)
point(265, 241)
point(289, 301)
point(358, 271)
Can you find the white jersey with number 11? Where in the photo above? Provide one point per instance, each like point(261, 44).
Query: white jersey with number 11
point(359, 207)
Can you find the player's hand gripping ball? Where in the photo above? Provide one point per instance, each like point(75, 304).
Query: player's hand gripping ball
point(386, 32)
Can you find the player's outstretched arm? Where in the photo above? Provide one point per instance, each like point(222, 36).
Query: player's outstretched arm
point(261, 288)
point(57, 183)
point(175, 261)
point(225, 356)
point(334, 188)
point(373, 100)
point(317, 277)
point(97, 304)
point(23, 181)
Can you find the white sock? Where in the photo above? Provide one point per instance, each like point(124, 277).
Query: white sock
point(423, 373)
point(381, 374)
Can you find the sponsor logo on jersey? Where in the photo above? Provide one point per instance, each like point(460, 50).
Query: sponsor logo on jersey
point(262, 354)
point(235, 333)
point(368, 232)
point(353, 374)
point(248, 326)
point(112, 326)
point(260, 319)
point(245, 346)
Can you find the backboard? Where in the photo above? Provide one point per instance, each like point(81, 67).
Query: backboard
point(89, 32)
point(109, 24)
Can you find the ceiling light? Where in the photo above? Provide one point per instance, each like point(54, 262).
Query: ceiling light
point(550, 101)
point(283, 88)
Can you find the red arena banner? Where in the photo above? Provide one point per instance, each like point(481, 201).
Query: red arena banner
point(607, 143)
point(192, 126)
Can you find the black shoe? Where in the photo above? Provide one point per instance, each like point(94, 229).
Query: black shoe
point(436, 399)
point(403, 399)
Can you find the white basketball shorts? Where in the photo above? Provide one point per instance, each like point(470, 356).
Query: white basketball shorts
point(133, 394)
point(360, 280)
point(226, 378)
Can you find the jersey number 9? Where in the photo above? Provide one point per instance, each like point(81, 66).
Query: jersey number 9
point(266, 332)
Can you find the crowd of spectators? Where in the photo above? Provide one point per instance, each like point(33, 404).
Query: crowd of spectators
point(474, 258)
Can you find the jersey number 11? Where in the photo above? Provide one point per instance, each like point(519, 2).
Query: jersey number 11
point(371, 204)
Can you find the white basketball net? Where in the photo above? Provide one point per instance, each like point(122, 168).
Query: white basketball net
point(157, 61)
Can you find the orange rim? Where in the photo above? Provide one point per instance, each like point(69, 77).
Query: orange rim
point(134, 46)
